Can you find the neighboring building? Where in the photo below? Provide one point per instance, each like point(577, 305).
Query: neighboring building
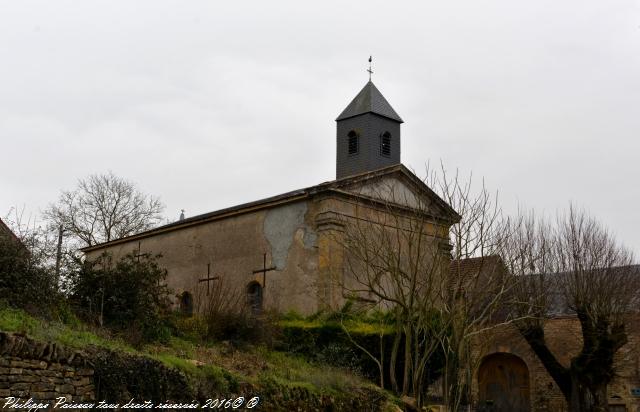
point(6, 234)
point(512, 378)
point(294, 234)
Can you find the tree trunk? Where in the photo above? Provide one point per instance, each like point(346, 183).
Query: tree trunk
point(406, 376)
point(587, 398)
point(576, 399)
point(534, 335)
point(381, 365)
point(453, 380)
point(393, 361)
point(599, 397)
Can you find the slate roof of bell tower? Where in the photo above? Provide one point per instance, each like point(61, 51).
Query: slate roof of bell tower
point(369, 100)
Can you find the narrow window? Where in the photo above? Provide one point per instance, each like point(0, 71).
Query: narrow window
point(385, 144)
point(353, 142)
point(186, 304)
point(254, 298)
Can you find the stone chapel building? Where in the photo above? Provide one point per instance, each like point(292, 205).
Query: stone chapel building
point(291, 236)
point(281, 252)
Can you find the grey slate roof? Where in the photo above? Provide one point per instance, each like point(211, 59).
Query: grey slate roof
point(369, 100)
point(284, 197)
point(557, 304)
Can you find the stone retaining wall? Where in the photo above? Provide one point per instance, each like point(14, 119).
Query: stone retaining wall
point(43, 371)
point(47, 371)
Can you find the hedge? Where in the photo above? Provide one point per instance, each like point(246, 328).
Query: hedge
point(327, 342)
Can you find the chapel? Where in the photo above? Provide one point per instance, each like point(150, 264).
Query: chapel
point(284, 253)
point(281, 252)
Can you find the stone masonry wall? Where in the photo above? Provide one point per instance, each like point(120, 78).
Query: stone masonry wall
point(564, 339)
point(43, 371)
point(46, 371)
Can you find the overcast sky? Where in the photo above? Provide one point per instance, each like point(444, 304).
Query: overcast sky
point(209, 104)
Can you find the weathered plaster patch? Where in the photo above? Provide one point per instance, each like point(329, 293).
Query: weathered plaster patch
point(280, 225)
point(310, 238)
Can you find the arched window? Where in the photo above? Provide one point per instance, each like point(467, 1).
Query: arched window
point(385, 144)
point(353, 142)
point(186, 303)
point(254, 297)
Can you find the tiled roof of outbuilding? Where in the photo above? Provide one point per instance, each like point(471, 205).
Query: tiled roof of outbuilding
point(471, 266)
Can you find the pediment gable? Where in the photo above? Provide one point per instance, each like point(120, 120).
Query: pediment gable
point(399, 186)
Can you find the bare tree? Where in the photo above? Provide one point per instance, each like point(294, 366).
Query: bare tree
point(395, 257)
point(379, 358)
point(574, 266)
point(104, 207)
point(399, 258)
point(26, 280)
point(32, 236)
point(477, 285)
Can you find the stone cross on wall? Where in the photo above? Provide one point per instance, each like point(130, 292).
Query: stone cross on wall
point(264, 270)
point(209, 278)
point(137, 253)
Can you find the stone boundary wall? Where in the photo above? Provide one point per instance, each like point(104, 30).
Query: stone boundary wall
point(564, 338)
point(43, 371)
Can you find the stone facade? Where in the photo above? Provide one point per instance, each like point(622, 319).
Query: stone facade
point(43, 371)
point(564, 340)
point(295, 235)
point(233, 246)
point(299, 232)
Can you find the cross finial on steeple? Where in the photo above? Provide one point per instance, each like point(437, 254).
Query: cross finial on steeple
point(369, 70)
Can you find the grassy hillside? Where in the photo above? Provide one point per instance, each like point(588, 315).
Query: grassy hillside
point(221, 363)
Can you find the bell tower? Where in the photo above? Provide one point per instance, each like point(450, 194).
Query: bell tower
point(368, 134)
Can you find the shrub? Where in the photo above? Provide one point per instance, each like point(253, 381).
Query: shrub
point(129, 296)
point(193, 328)
point(326, 342)
point(226, 316)
point(322, 339)
point(24, 282)
point(241, 327)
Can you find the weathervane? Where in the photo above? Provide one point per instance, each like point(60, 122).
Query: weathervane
point(369, 70)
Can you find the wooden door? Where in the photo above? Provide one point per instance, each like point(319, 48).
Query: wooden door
point(503, 381)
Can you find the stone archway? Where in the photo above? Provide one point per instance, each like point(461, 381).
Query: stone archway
point(503, 384)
